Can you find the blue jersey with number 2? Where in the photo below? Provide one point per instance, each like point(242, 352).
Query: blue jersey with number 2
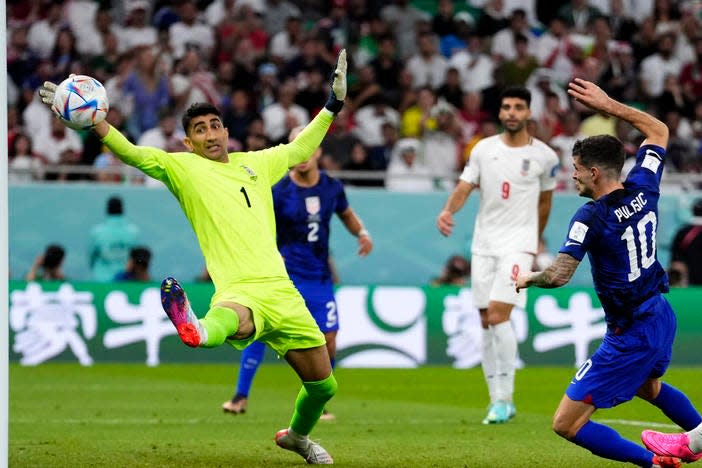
point(303, 216)
point(618, 233)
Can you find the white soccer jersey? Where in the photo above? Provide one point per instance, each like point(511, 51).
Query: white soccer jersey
point(510, 181)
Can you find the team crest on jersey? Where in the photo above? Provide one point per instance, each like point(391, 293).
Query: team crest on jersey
point(313, 205)
point(250, 172)
point(525, 166)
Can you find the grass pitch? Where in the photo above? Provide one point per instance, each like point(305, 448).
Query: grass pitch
point(63, 415)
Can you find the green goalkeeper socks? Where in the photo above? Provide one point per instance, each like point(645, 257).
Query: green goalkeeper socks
point(219, 323)
point(310, 403)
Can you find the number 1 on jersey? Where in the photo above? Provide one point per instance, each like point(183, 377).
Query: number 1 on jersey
point(246, 196)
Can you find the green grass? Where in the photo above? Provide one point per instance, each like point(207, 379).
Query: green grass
point(130, 415)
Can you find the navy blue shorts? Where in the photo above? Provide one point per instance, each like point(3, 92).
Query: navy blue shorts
point(624, 362)
point(319, 298)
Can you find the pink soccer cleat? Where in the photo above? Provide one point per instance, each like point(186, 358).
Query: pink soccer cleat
point(670, 445)
point(175, 304)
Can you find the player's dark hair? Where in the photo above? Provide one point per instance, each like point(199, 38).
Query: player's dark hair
point(196, 110)
point(602, 151)
point(114, 206)
point(518, 92)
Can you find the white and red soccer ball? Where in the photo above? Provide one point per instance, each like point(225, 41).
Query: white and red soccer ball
point(80, 102)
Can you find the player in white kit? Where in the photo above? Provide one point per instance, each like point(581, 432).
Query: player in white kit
point(515, 175)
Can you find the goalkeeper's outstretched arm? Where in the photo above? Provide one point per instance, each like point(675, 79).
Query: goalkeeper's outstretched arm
point(304, 145)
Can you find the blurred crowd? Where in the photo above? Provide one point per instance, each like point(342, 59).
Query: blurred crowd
point(424, 84)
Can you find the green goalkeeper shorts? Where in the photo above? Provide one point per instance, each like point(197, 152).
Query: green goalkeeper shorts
point(280, 315)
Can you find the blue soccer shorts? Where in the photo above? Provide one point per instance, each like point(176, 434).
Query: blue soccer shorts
point(319, 298)
point(624, 362)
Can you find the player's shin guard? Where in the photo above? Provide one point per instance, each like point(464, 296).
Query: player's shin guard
point(310, 404)
point(489, 362)
point(506, 353)
point(605, 442)
point(220, 322)
point(677, 407)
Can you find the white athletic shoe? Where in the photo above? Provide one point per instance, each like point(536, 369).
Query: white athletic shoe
point(311, 451)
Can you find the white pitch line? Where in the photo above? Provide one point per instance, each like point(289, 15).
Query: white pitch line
point(629, 422)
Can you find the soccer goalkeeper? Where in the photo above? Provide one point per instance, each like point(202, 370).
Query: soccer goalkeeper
point(228, 200)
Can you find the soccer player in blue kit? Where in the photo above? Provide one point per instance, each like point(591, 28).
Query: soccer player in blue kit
point(304, 202)
point(617, 230)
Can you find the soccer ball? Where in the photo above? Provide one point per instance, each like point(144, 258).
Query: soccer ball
point(80, 102)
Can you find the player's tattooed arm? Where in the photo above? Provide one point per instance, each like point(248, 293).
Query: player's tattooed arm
point(554, 276)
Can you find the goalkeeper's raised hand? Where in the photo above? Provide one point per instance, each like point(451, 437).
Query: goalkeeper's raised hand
point(337, 94)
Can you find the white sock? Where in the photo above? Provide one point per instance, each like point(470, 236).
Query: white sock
point(489, 362)
point(695, 436)
point(300, 440)
point(506, 353)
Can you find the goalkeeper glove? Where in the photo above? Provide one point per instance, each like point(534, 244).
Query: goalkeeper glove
point(337, 94)
point(47, 91)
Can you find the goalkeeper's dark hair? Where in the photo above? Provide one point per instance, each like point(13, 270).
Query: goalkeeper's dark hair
point(603, 151)
point(196, 110)
point(518, 92)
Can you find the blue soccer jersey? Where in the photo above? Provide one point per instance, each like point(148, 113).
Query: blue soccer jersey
point(303, 216)
point(618, 233)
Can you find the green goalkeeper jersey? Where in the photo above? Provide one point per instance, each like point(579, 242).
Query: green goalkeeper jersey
point(229, 205)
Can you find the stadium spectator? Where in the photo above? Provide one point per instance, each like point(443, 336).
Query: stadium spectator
point(42, 33)
point(516, 71)
point(578, 15)
point(386, 65)
point(64, 55)
point(403, 18)
point(111, 241)
point(309, 59)
point(364, 88)
point(507, 226)
point(360, 161)
point(166, 135)
point(283, 115)
point(657, 66)
point(47, 266)
point(239, 114)
point(620, 21)
point(636, 312)
point(503, 45)
point(456, 272)
point(451, 91)
point(337, 145)
point(619, 78)
point(147, 86)
point(427, 66)
point(406, 171)
point(189, 32)
point(691, 74)
point(286, 44)
point(417, 118)
point(370, 118)
point(474, 67)
point(137, 31)
point(277, 14)
point(137, 267)
point(191, 82)
point(59, 145)
point(24, 165)
point(493, 19)
point(442, 154)
point(687, 246)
